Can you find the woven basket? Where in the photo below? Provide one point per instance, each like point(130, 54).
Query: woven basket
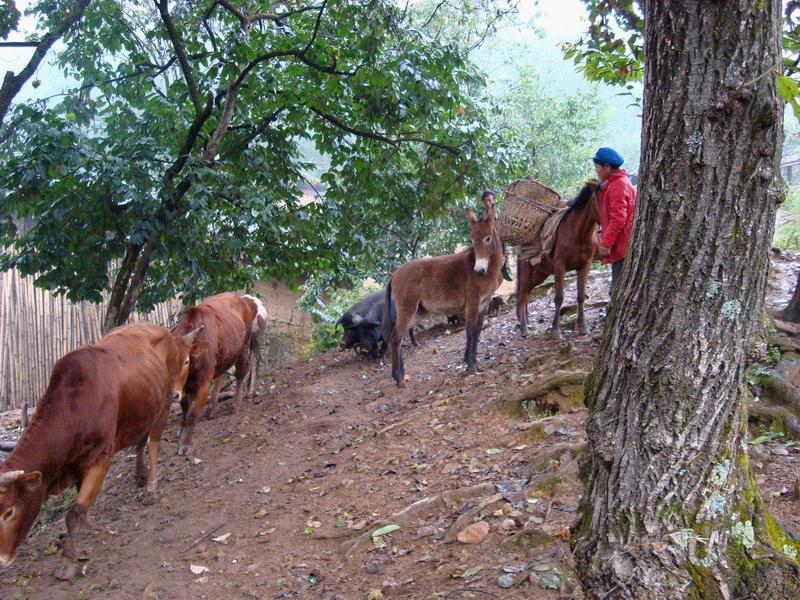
point(526, 205)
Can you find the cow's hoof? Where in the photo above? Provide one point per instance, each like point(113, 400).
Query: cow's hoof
point(141, 479)
point(149, 498)
point(582, 330)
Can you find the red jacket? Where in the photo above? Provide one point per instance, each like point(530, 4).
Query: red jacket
point(617, 203)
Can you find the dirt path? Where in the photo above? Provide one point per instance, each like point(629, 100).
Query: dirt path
point(330, 448)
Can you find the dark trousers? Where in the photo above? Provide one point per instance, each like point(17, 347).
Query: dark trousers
point(616, 269)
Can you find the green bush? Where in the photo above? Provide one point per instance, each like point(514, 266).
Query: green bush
point(787, 231)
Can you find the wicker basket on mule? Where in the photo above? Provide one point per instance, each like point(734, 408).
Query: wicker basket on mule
point(527, 204)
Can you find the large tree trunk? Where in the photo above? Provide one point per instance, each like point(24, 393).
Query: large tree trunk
point(670, 509)
point(792, 310)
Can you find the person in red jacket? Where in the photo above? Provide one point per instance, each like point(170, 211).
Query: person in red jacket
point(617, 203)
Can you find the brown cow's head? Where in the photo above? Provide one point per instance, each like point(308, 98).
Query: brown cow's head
point(189, 347)
point(21, 497)
point(484, 238)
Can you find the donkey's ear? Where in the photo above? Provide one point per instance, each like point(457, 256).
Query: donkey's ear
point(471, 216)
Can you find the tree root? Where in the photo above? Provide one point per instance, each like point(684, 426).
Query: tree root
point(783, 342)
point(790, 423)
point(469, 516)
point(448, 499)
point(531, 393)
point(779, 391)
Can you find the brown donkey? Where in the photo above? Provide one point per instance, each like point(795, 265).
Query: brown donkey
point(461, 283)
point(574, 248)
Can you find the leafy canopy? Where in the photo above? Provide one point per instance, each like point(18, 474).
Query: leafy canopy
point(181, 125)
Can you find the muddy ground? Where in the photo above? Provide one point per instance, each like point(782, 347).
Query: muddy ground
point(281, 498)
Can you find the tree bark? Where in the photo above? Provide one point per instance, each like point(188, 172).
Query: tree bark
point(792, 311)
point(670, 509)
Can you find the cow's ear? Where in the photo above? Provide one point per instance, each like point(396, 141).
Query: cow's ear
point(32, 481)
point(471, 217)
point(190, 337)
point(199, 348)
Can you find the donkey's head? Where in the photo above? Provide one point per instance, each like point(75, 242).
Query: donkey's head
point(485, 242)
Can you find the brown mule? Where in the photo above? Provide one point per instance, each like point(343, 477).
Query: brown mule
point(574, 249)
point(461, 283)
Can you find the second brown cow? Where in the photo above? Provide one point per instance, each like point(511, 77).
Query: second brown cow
point(227, 320)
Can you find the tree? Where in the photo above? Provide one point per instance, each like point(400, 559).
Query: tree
point(612, 52)
point(61, 17)
point(176, 156)
point(670, 508)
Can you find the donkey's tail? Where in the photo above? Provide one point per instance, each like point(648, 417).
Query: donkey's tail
point(388, 317)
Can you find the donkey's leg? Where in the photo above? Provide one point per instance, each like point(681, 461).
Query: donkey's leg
point(583, 275)
point(558, 275)
point(472, 364)
point(523, 289)
point(474, 326)
point(404, 315)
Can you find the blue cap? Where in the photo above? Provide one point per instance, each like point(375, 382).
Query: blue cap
point(608, 156)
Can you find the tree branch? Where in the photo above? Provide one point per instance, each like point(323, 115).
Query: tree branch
point(261, 128)
point(19, 44)
point(180, 51)
point(376, 136)
point(12, 84)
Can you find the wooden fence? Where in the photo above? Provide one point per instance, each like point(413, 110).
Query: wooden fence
point(38, 327)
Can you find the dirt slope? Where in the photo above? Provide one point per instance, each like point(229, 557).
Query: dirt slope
point(293, 484)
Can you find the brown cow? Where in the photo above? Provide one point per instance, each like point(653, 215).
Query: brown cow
point(101, 398)
point(227, 321)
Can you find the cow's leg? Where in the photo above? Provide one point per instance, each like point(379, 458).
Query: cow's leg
point(90, 485)
point(243, 366)
point(213, 398)
point(142, 473)
point(583, 275)
point(190, 417)
point(153, 448)
point(558, 300)
point(413, 337)
point(255, 361)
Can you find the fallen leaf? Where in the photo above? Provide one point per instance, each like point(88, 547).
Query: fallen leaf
point(223, 539)
point(375, 594)
point(384, 530)
point(472, 572)
point(198, 569)
point(492, 451)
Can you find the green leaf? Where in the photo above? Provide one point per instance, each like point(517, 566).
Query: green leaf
point(385, 530)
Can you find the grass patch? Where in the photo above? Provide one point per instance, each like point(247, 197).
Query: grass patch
point(54, 508)
point(787, 229)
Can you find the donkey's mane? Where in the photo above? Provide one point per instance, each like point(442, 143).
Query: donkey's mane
point(579, 201)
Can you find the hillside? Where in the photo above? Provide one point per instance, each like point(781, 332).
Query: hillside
point(282, 497)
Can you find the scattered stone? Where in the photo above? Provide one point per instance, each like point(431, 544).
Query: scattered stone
point(474, 534)
point(506, 581)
